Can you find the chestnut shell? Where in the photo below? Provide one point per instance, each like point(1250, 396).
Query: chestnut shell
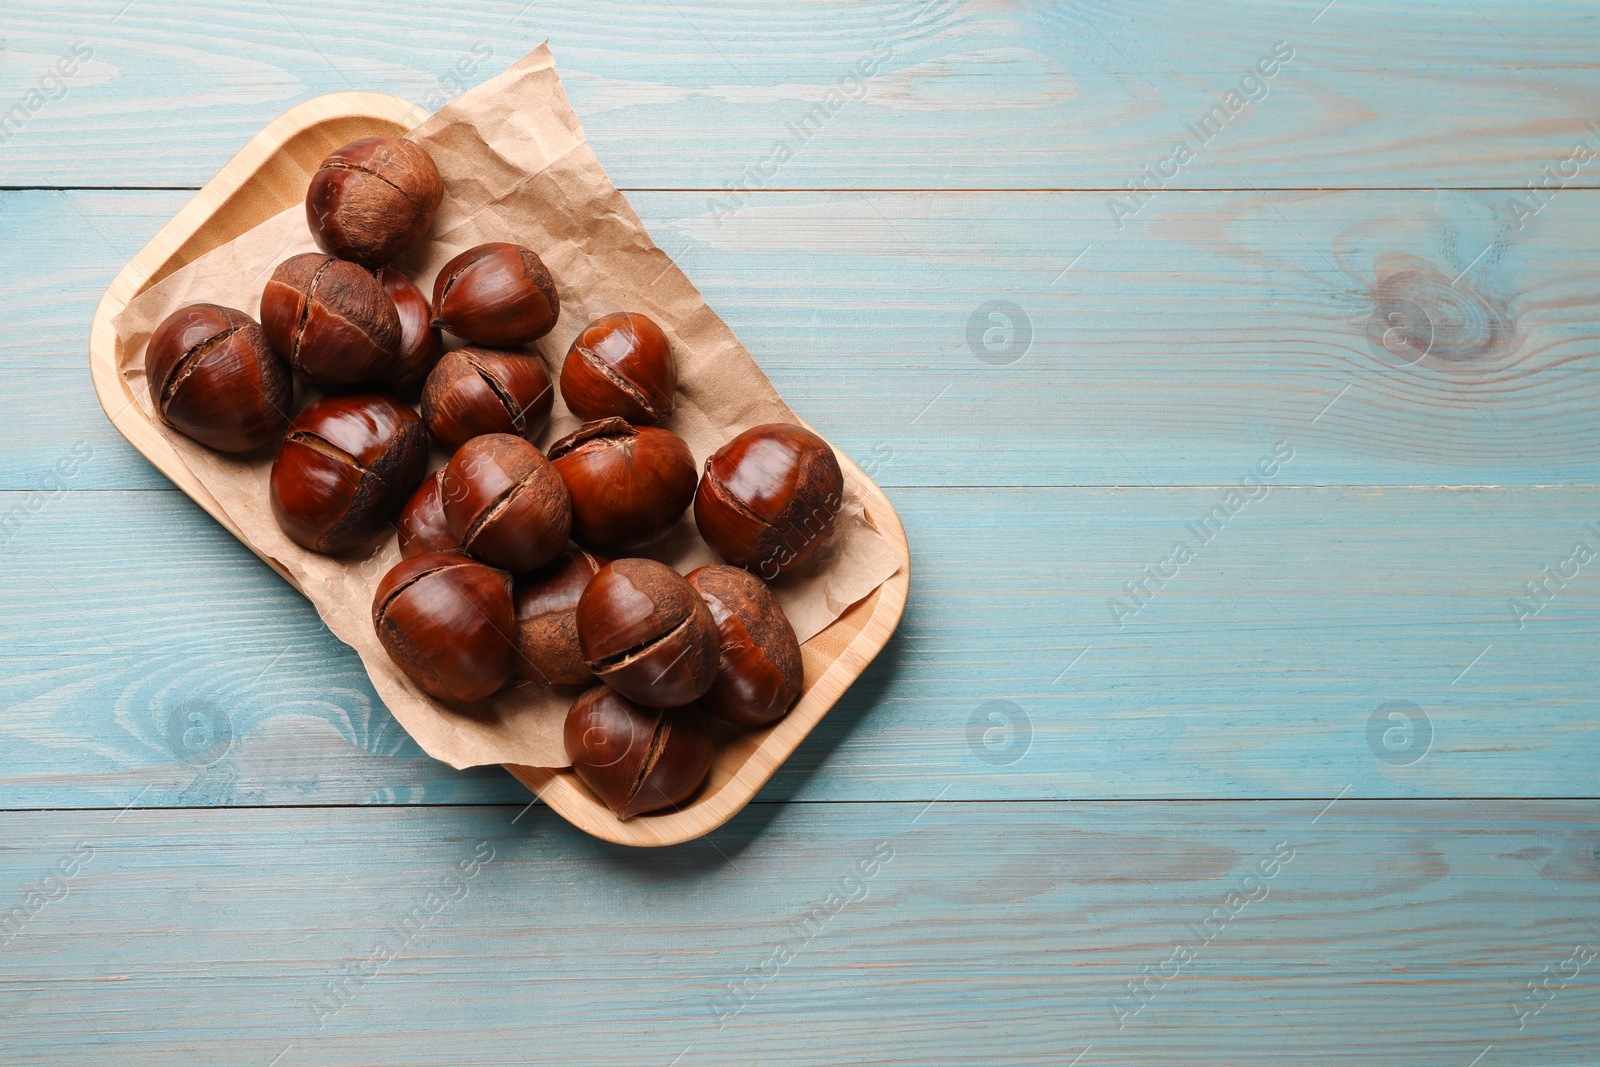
point(629, 484)
point(505, 503)
point(447, 621)
point(759, 676)
point(474, 391)
point(496, 294)
point(423, 526)
point(620, 365)
point(646, 633)
point(420, 345)
point(547, 626)
point(345, 467)
point(330, 319)
point(636, 759)
point(769, 498)
point(214, 378)
point(372, 199)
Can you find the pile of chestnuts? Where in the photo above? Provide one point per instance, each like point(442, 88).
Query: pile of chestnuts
point(518, 566)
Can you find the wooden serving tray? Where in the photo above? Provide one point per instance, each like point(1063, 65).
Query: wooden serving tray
point(272, 173)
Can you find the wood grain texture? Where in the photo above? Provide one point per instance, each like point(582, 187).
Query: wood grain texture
point(1255, 672)
point(64, 250)
point(1034, 94)
point(1173, 353)
point(1170, 354)
point(887, 934)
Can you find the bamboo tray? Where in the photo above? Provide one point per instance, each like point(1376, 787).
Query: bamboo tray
point(270, 174)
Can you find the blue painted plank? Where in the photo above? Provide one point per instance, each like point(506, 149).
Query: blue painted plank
point(706, 94)
point(983, 934)
point(1401, 338)
point(1317, 644)
point(1171, 354)
point(63, 250)
point(1269, 664)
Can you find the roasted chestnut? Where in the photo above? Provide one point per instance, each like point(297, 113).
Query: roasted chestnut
point(345, 467)
point(420, 346)
point(547, 628)
point(474, 391)
point(373, 199)
point(760, 675)
point(646, 633)
point(330, 319)
point(214, 378)
point(769, 497)
point(505, 503)
point(636, 759)
point(423, 527)
point(446, 621)
point(496, 294)
point(628, 483)
point(620, 365)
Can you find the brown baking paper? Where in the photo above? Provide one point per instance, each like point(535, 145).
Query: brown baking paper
point(516, 167)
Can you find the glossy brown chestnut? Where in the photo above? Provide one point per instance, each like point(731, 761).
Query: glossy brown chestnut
point(760, 675)
point(636, 759)
point(628, 483)
point(447, 622)
point(373, 199)
point(505, 503)
point(769, 498)
point(620, 365)
point(420, 345)
point(646, 633)
point(344, 469)
point(496, 294)
point(423, 527)
point(547, 627)
point(474, 391)
point(213, 377)
point(330, 319)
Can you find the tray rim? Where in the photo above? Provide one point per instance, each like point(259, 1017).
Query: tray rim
point(557, 787)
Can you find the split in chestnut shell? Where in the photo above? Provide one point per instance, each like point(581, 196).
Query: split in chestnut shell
point(646, 633)
point(475, 391)
point(636, 759)
point(345, 468)
point(446, 621)
point(331, 319)
point(629, 484)
point(769, 498)
point(373, 199)
point(505, 503)
point(214, 377)
point(497, 294)
point(621, 365)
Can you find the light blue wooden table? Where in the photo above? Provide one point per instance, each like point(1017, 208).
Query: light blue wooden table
point(1234, 371)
